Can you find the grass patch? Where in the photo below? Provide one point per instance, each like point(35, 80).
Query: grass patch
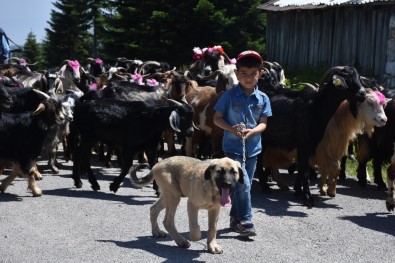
point(352, 165)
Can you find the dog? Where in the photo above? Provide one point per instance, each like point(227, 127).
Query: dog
point(207, 184)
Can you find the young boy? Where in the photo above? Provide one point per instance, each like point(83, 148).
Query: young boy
point(242, 113)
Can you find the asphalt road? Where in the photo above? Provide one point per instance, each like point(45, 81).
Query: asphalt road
point(79, 225)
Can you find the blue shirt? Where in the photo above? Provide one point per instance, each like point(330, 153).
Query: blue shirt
point(236, 107)
point(5, 47)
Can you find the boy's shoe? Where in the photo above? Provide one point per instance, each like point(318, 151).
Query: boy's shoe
point(233, 224)
point(245, 230)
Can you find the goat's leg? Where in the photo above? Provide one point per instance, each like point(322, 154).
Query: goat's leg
point(108, 156)
point(32, 185)
point(302, 184)
point(216, 144)
point(282, 184)
point(86, 154)
point(361, 173)
point(77, 167)
point(81, 162)
point(37, 175)
point(307, 197)
point(378, 177)
point(52, 161)
point(342, 174)
point(152, 155)
point(127, 162)
point(8, 180)
point(332, 180)
point(169, 139)
point(262, 175)
point(362, 156)
point(390, 202)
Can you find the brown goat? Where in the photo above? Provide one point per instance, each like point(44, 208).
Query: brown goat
point(341, 129)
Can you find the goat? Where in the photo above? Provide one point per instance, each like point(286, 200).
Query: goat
point(24, 150)
point(133, 126)
point(300, 118)
point(343, 128)
point(59, 132)
point(24, 76)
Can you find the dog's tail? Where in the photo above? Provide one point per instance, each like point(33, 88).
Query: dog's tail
point(139, 182)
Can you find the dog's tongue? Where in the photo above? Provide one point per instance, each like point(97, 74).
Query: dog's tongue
point(225, 198)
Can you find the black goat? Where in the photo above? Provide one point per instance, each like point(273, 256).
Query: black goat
point(133, 126)
point(300, 118)
point(21, 139)
point(5, 98)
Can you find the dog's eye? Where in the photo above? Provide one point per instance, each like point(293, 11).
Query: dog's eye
point(221, 171)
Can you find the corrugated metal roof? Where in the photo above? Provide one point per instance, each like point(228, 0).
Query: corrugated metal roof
point(278, 5)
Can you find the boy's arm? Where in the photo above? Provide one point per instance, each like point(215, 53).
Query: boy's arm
point(220, 122)
point(258, 129)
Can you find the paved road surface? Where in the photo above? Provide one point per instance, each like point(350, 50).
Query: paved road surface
point(79, 225)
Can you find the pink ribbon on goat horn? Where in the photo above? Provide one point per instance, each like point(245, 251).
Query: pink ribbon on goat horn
point(152, 82)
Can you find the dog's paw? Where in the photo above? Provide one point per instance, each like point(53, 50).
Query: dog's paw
point(183, 243)
point(159, 233)
point(215, 249)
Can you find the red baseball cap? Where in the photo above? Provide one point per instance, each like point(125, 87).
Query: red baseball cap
point(250, 53)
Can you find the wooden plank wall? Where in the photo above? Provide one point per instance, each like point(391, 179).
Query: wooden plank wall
point(353, 36)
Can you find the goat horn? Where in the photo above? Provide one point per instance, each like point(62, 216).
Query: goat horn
point(211, 76)
point(45, 95)
point(40, 108)
point(65, 61)
point(146, 64)
point(175, 102)
point(270, 64)
point(328, 74)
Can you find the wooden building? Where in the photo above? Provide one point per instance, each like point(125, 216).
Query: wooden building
point(359, 33)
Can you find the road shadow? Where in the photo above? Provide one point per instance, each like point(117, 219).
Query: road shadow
point(90, 194)
point(350, 187)
point(168, 252)
point(279, 202)
point(381, 222)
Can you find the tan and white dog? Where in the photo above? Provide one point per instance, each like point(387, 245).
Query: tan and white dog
point(207, 185)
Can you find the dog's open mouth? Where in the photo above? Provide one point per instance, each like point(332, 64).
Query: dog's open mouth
point(225, 198)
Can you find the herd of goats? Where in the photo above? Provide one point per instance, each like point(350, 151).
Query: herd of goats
point(132, 108)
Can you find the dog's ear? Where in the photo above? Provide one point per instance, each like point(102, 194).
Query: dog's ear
point(207, 173)
point(241, 175)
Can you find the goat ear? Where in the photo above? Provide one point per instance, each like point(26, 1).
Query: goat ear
point(175, 121)
point(339, 82)
point(207, 173)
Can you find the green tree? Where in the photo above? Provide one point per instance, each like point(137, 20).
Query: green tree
point(32, 51)
point(169, 30)
point(162, 30)
point(68, 36)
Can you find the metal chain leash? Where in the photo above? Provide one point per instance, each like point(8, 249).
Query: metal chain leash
point(241, 127)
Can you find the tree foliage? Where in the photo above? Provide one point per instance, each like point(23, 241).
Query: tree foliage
point(161, 30)
point(32, 51)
